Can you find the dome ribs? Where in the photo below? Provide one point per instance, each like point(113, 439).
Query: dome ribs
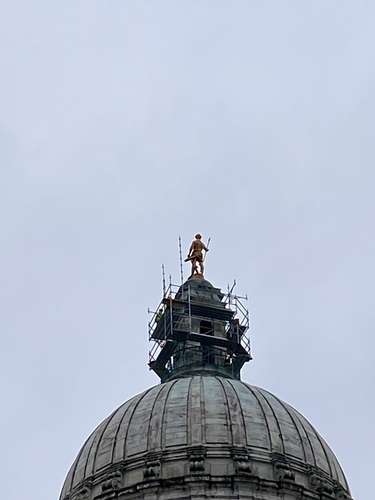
point(199, 424)
point(236, 414)
point(85, 469)
point(203, 410)
point(308, 455)
point(126, 406)
point(320, 457)
point(68, 483)
point(119, 446)
point(289, 433)
point(162, 433)
point(216, 425)
point(174, 430)
point(104, 447)
point(194, 413)
point(277, 439)
point(188, 412)
point(154, 439)
point(257, 427)
point(82, 470)
point(136, 438)
point(321, 442)
point(336, 464)
point(229, 420)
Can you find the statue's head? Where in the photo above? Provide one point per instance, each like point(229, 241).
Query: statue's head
point(198, 236)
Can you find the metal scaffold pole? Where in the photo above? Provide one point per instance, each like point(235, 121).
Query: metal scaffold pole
point(163, 274)
point(181, 265)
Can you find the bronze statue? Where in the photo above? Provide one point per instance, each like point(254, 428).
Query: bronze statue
point(196, 255)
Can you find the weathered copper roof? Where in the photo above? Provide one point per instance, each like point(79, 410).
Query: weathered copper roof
point(210, 413)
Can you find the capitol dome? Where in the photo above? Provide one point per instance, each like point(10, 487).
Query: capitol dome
point(202, 432)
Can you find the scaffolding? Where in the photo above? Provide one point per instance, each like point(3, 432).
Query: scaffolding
point(174, 337)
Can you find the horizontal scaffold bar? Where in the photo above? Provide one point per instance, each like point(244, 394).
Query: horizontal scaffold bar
point(200, 309)
point(183, 336)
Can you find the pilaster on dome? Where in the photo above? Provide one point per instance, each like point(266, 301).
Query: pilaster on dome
point(198, 329)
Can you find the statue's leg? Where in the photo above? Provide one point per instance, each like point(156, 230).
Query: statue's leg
point(193, 266)
point(201, 266)
point(196, 266)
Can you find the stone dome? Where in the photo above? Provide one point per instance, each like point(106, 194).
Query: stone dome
point(202, 433)
point(211, 427)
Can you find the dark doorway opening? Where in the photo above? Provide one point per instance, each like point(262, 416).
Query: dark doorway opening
point(206, 327)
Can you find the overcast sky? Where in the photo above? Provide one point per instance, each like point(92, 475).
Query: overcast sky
point(125, 124)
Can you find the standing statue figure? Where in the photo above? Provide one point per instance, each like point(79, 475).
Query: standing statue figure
point(196, 256)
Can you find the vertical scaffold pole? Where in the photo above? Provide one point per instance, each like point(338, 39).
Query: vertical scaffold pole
point(170, 304)
point(181, 265)
point(163, 274)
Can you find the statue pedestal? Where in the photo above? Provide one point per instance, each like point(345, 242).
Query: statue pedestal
point(196, 275)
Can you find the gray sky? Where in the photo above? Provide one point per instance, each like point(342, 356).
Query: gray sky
point(127, 123)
